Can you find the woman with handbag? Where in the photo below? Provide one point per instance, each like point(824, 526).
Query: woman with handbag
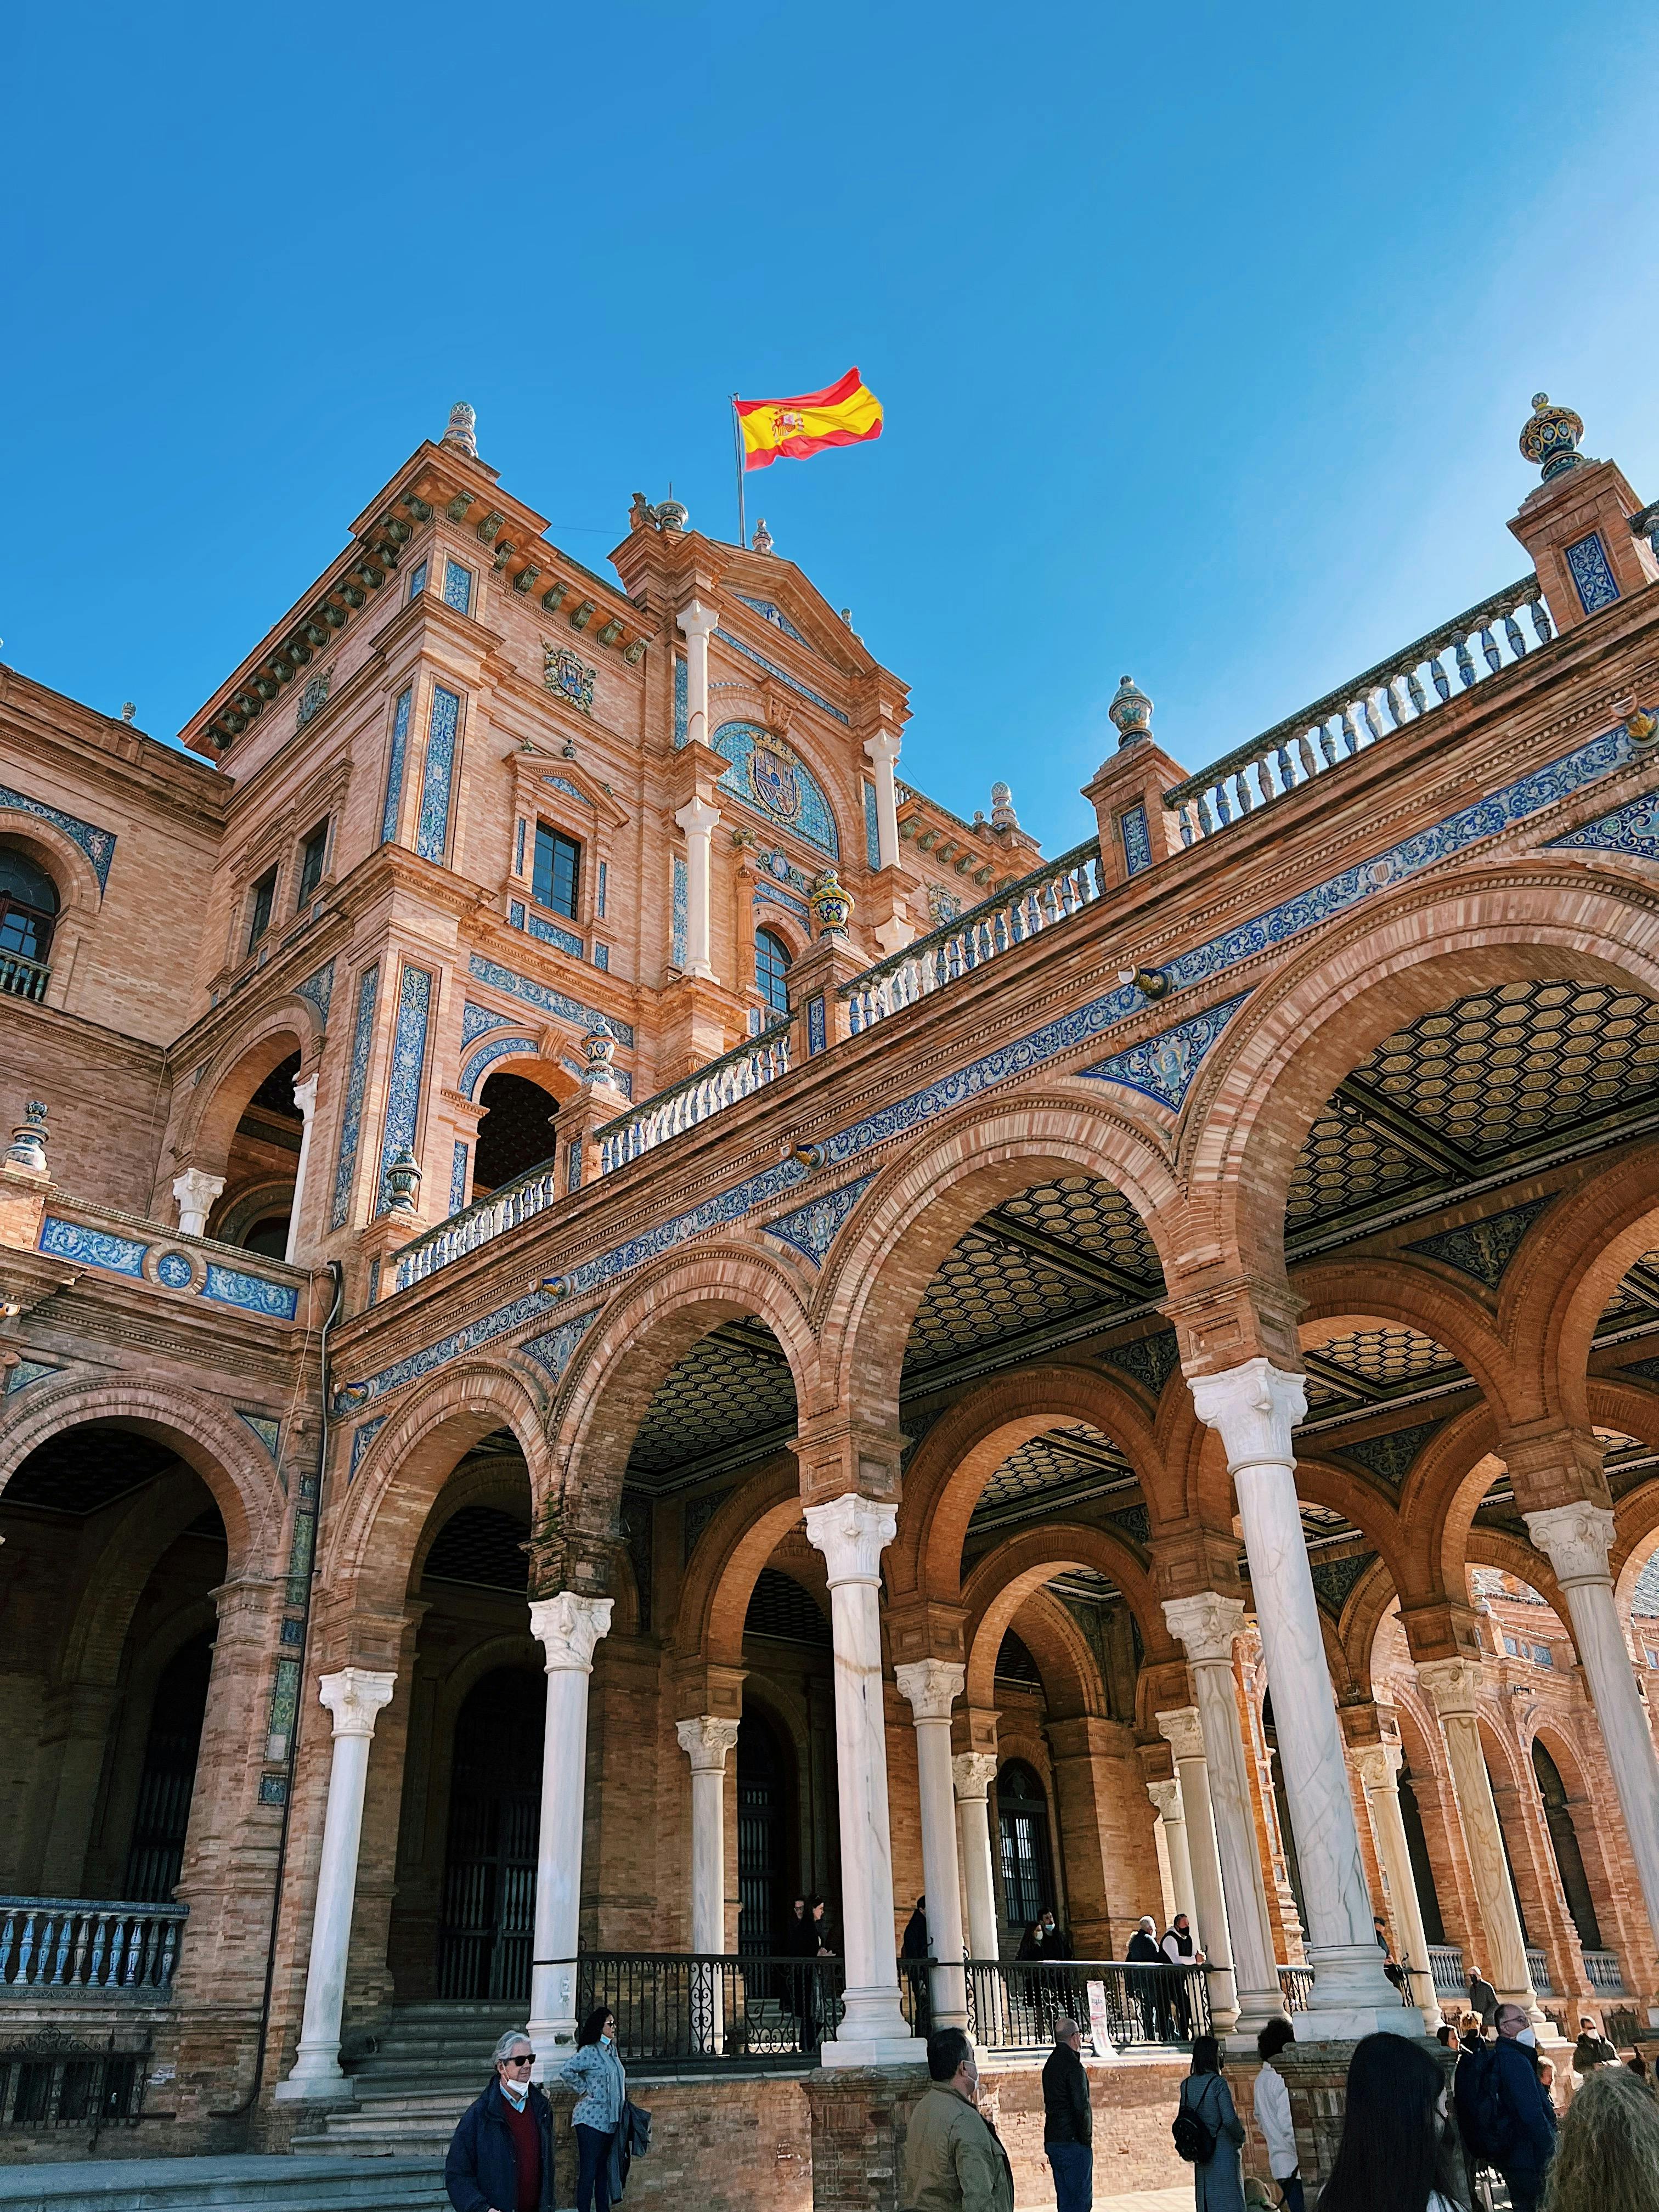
point(1208, 2132)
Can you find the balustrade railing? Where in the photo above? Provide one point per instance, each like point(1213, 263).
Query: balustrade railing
point(1296, 1985)
point(68, 1943)
point(1012, 2005)
point(1538, 1970)
point(1606, 1974)
point(1050, 894)
point(1457, 656)
point(23, 979)
point(527, 1194)
point(736, 1075)
point(1446, 1966)
point(706, 2009)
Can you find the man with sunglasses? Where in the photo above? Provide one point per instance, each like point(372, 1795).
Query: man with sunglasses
point(501, 2156)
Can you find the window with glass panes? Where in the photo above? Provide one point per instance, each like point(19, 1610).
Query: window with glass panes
point(260, 900)
point(313, 853)
point(772, 970)
point(558, 871)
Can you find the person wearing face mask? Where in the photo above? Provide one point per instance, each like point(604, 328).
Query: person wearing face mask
point(596, 2073)
point(954, 2160)
point(501, 2156)
point(1398, 2152)
point(1506, 2113)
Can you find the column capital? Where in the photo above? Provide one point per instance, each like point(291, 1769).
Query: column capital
point(305, 1096)
point(1208, 1625)
point(1452, 1684)
point(1377, 1764)
point(973, 1772)
point(932, 1686)
point(1575, 1540)
point(568, 1627)
point(706, 1740)
point(883, 749)
point(354, 1695)
point(852, 1533)
point(1183, 1732)
point(697, 818)
point(697, 620)
point(1252, 1409)
point(1166, 1797)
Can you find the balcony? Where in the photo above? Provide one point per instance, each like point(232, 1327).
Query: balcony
point(23, 979)
point(1538, 1971)
point(1446, 1966)
point(1606, 1976)
point(50, 1945)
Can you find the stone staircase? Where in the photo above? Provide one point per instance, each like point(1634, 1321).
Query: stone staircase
point(277, 2183)
point(413, 2083)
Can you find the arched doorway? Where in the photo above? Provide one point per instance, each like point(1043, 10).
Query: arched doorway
point(1564, 1842)
point(156, 1852)
point(485, 1935)
point(516, 1133)
point(1417, 1849)
point(1028, 1870)
point(763, 1891)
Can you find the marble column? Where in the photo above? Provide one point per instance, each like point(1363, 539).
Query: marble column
point(882, 751)
point(354, 1696)
point(1208, 1624)
point(706, 1741)
point(931, 1686)
point(1575, 1539)
point(304, 1097)
point(1172, 1826)
point(697, 621)
point(852, 1533)
point(1378, 1765)
point(972, 1773)
point(1183, 1731)
point(1452, 1684)
point(568, 1627)
point(698, 819)
point(195, 1191)
point(1254, 1409)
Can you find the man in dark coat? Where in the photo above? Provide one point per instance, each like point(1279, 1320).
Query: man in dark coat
point(1483, 1999)
point(1068, 2122)
point(1151, 1992)
point(1514, 2128)
point(914, 1951)
point(1592, 2049)
point(500, 2156)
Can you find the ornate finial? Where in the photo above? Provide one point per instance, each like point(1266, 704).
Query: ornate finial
point(673, 516)
point(1551, 437)
point(1131, 711)
point(28, 1148)
point(1003, 815)
point(462, 431)
point(598, 1050)
point(761, 540)
point(831, 905)
point(403, 1180)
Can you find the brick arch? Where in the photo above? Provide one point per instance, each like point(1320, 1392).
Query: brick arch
point(384, 1508)
point(1369, 1604)
point(1322, 1482)
point(1032, 1558)
point(1073, 1687)
point(531, 1060)
point(1495, 1547)
point(80, 894)
point(1442, 1490)
point(634, 1346)
point(908, 1221)
point(216, 1104)
point(726, 1565)
point(961, 1452)
point(492, 1483)
point(1285, 1051)
point(151, 1522)
point(236, 1468)
point(1339, 1296)
point(1636, 1527)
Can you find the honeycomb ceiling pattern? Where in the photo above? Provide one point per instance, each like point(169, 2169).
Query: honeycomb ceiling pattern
point(83, 1469)
point(1371, 1366)
point(1091, 1216)
point(733, 1387)
point(483, 1547)
point(984, 1292)
point(1499, 1076)
point(1636, 1298)
point(1059, 1459)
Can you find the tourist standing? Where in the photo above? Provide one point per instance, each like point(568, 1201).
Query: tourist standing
point(1507, 2119)
point(1592, 2049)
point(500, 2156)
point(1068, 2121)
point(596, 2072)
point(1206, 2115)
point(1483, 1999)
point(1273, 2113)
point(1608, 2157)
point(954, 2160)
point(1152, 1991)
point(1398, 2152)
point(913, 1950)
point(1180, 1949)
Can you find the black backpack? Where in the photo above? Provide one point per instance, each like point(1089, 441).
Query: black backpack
point(1194, 2139)
point(1481, 2110)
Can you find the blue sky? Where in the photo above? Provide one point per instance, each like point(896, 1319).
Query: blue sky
point(1205, 334)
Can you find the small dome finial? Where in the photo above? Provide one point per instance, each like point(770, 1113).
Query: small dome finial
point(1131, 710)
point(761, 540)
point(462, 431)
point(1550, 437)
point(1003, 815)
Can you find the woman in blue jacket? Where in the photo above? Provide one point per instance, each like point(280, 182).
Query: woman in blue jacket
point(596, 2072)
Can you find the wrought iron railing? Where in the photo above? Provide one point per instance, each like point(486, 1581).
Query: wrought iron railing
point(748, 1067)
point(23, 979)
point(60, 1942)
point(1296, 1986)
point(1012, 2005)
point(1446, 1966)
point(1050, 894)
point(1606, 1974)
point(706, 2010)
point(1384, 699)
point(53, 2079)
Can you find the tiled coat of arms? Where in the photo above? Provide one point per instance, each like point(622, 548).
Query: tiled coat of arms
point(774, 783)
point(564, 673)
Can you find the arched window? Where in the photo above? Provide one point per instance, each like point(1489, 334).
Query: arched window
point(1028, 1874)
point(28, 905)
point(772, 971)
point(1563, 1841)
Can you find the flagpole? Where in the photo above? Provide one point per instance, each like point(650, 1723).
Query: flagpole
point(736, 443)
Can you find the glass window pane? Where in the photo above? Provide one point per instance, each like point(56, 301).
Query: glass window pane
point(556, 879)
point(457, 587)
point(772, 970)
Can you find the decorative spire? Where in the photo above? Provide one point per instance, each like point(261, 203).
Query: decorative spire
point(1551, 437)
point(462, 431)
point(673, 516)
point(1131, 711)
point(1003, 815)
point(761, 540)
point(28, 1148)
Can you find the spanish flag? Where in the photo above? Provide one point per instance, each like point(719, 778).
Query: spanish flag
point(845, 414)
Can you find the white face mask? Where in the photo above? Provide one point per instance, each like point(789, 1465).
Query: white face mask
point(1527, 2037)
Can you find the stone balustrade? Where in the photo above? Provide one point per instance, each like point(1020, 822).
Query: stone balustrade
point(112, 1949)
point(1454, 658)
point(736, 1075)
point(486, 1218)
point(23, 979)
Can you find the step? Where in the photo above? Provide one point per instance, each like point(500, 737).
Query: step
point(271, 2184)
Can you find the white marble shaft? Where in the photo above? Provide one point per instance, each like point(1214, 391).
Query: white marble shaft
point(1184, 1731)
point(973, 1772)
point(1172, 1829)
point(698, 819)
point(304, 1097)
point(882, 752)
point(1452, 1684)
point(1208, 1625)
point(931, 1686)
point(852, 1533)
point(698, 623)
point(1254, 1409)
point(354, 1696)
point(706, 1741)
point(568, 1626)
point(1575, 1539)
point(1378, 1765)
